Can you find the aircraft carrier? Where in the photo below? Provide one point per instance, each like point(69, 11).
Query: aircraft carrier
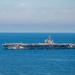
point(48, 44)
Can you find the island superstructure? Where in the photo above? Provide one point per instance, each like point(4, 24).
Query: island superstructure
point(48, 44)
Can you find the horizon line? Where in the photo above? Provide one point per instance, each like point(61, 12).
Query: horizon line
point(37, 32)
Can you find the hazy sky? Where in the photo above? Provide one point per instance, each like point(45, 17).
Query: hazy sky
point(37, 16)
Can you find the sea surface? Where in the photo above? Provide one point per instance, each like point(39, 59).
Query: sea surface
point(37, 62)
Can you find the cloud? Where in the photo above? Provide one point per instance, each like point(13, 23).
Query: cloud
point(22, 5)
point(26, 12)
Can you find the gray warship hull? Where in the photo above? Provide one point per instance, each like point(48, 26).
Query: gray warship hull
point(48, 44)
point(39, 46)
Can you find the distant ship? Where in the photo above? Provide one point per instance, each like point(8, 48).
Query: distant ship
point(48, 44)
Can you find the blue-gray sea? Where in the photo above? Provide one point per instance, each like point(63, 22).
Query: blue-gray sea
point(37, 62)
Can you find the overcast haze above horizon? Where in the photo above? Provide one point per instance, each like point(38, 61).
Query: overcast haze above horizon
point(37, 16)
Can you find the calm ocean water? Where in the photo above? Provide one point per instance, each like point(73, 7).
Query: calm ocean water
point(37, 62)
